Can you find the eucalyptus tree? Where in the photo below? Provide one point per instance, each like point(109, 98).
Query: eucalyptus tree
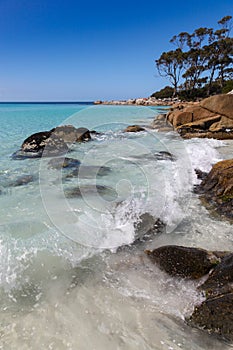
point(202, 57)
point(170, 64)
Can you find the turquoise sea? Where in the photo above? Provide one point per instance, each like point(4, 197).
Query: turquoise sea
point(71, 276)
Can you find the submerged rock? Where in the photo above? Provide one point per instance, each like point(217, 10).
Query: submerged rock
point(103, 191)
point(21, 181)
point(183, 261)
point(134, 128)
point(88, 172)
point(58, 163)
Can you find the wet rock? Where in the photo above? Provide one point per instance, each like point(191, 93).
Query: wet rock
point(58, 163)
point(220, 280)
point(41, 144)
point(134, 128)
point(217, 188)
point(51, 143)
point(94, 132)
point(215, 316)
point(201, 175)
point(83, 135)
point(183, 261)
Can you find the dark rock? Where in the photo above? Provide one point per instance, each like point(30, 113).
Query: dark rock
point(134, 128)
point(51, 143)
point(220, 280)
point(94, 132)
point(36, 142)
point(215, 316)
point(164, 155)
point(201, 175)
point(41, 144)
point(183, 261)
point(58, 163)
point(83, 135)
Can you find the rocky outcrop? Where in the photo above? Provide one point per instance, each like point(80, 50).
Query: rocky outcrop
point(219, 104)
point(183, 261)
point(217, 188)
point(134, 128)
point(211, 118)
point(215, 313)
point(51, 143)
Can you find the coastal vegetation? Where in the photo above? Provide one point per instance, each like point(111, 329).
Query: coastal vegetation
point(201, 63)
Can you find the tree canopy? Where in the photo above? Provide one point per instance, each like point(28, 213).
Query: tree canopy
point(201, 60)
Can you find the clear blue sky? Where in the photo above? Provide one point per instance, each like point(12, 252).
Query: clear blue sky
point(87, 50)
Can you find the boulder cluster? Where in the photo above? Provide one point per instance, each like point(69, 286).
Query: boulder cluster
point(211, 118)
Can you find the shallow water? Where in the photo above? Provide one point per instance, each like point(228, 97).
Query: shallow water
point(64, 284)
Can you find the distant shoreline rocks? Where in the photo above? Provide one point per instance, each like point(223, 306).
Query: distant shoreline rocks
point(150, 101)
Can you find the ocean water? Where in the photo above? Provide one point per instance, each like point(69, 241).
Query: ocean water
point(71, 276)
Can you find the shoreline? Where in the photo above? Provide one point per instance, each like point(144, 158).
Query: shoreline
point(150, 101)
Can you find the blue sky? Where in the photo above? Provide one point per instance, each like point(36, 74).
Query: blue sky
point(67, 50)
